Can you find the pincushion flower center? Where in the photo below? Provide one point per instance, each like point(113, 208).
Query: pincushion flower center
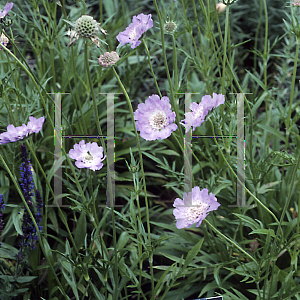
point(158, 120)
point(132, 33)
point(199, 112)
point(196, 211)
point(87, 157)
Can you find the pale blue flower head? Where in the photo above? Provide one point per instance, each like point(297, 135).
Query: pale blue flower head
point(195, 211)
point(135, 30)
point(6, 9)
point(88, 155)
point(14, 134)
point(201, 110)
point(155, 119)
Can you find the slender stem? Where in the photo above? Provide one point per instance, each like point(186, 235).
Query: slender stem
point(174, 104)
point(86, 62)
point(225, 49)
point(269, 211)
point(175, 62)
point(292, 95)
point(143, 174)
point(230, 241)
point(266, 53)
point(153, 75)
point(34, 222)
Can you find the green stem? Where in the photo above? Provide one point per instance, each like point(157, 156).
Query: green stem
point(225, 49)
point(270, 212)
point(175, 62)
point(230, 241)
point(86, 62)
point(266, 53)
point(34, 222)
point(143, 174)
point(173, 102)
point(153, 75)
point(292, 95)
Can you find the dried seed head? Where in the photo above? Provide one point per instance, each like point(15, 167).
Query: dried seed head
point(86, 26)
point(3, 40)
point(108, 59)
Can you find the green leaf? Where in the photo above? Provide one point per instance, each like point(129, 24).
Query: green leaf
point(192, 254)
point(123, 239)
point(264, 231)
point(17, 220)
point(266, 187)
point(80, 231)
point(249, 221)
point(272, 130)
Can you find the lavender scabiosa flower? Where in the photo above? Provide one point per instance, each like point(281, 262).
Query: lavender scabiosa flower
point(200, 111)
point(140, 24)
point(187, 214)
point(14, 134)
point(155, 119)
point(7, 8)
point(296, 3)
point(88, 155)
point(108, 59)
point(2, 206)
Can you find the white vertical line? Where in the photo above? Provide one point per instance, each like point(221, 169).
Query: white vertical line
point(110, 151)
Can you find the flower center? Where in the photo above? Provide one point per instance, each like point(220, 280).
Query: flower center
point(158, 120)
point(132, 32)
point(196, 211)
point(87, 157)
point(198, 112)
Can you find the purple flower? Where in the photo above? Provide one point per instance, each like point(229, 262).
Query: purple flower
point(7, 8)
point(14, 134)
point(26, 175)
point(194, 207)
point(135, 30)
point(88, 155)
point(29, 232)
point(155, 118)
point(200, 111)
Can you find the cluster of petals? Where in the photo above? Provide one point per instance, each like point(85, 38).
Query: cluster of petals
point(194, 207)
point(155, 119)
point(200, 111)
point(140, 24)
point(88, 155)
point(14, 134)
point(6, 9)
point(296, 3)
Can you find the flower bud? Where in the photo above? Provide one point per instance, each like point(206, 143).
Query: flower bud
point(220, 6)
point(170, 27)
